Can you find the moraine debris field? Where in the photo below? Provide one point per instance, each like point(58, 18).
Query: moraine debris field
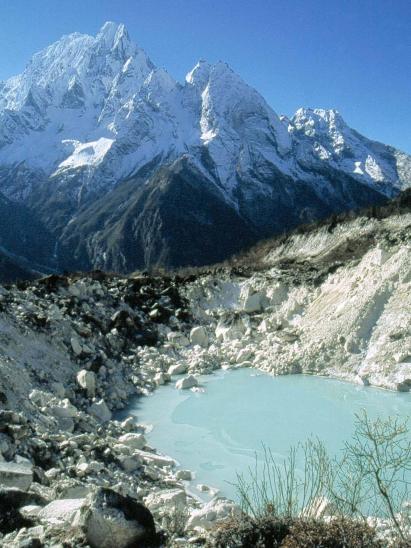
point(329, 299)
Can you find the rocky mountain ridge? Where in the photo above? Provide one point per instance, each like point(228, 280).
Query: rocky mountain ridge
point(97, 143)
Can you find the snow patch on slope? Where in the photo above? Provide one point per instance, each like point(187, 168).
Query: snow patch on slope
point(91, 153)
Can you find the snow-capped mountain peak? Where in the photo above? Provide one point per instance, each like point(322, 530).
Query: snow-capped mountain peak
point(90, 113)
point(198, 76)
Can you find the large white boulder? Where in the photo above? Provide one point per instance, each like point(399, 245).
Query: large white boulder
point(187, 382)
point(199, 336)
point(64, 409)
point(177, 369)
point(133, 440)
point(87, 380)
point(169, 498)
point(215, 510)
point(61, 512)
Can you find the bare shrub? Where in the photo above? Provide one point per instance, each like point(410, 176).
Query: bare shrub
point(282, 489)
point(373, 477)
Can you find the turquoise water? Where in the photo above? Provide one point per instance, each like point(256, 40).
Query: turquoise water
point(218, 432)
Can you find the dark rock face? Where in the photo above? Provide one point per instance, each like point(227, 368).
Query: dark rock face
point(11, 500)
point(175, 218)
point(178, 218)
point(169, 216)
point(134, 526)
point(26, 246)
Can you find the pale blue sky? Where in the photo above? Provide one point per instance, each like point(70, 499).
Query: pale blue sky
point(353, 55)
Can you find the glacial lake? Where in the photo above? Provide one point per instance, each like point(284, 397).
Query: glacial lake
point(218, 432)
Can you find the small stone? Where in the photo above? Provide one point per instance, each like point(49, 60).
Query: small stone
point(187, 382)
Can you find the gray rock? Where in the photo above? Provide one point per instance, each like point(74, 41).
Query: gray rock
point(76, 346)
point(100, 411)
point(178, 339)
point(59, 512)
point(253, 303)
point(199, 336)
point(184, 475)
point(16, 475)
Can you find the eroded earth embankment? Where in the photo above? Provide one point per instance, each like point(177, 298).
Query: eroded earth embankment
point(334, 300)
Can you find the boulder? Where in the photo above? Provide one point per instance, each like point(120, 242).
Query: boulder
point(64, 409)
point(61, 512)
point(178, 339)
point(30, 511)
point(100, 411)
point(244, 355)
point(111, 520)
point(86, 468)
point(16, 475)
point(135, 441)
point(225, 333)
point(402, 377)
point(217, 509)
point(187, 382)
point(184, 475)
point(199, 336)
point(152, 458)
point(76, 346)
point(87, 380)
point(129, 463)
point(178, 369)
point(159, 379)
point(166, 499)
point(253, 302)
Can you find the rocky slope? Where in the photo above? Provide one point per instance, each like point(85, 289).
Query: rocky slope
point(331, 299)
point(123, 167)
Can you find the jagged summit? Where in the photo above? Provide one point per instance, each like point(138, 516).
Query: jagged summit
point(91, 114)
